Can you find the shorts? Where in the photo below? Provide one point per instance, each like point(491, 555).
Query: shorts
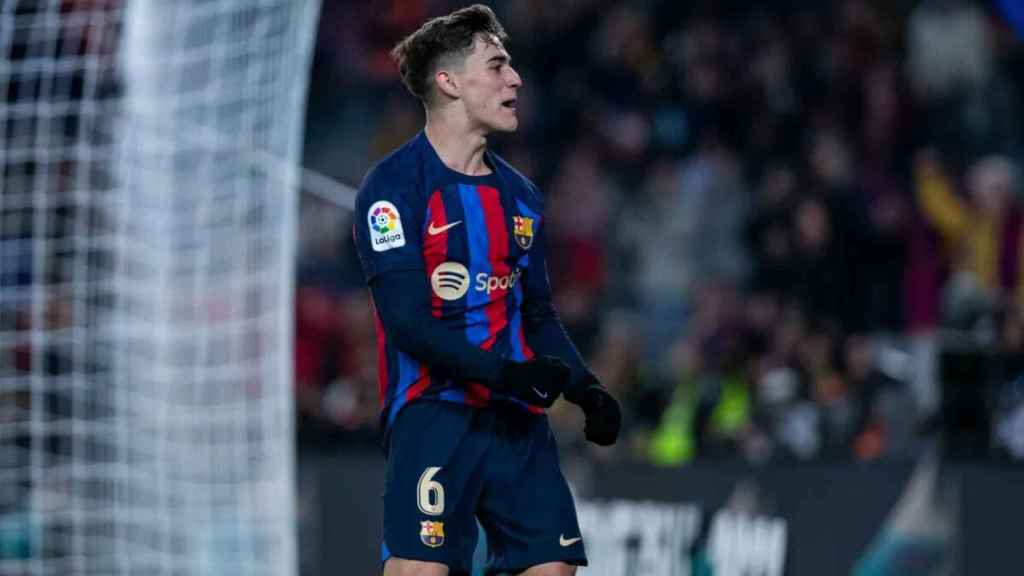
point(450, 465)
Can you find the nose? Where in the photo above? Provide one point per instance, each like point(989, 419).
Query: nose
point(514, 79)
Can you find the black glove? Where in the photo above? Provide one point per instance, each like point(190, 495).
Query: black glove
point(603, 415)
point(538, 382)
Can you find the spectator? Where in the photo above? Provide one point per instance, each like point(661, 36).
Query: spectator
point(982, 234)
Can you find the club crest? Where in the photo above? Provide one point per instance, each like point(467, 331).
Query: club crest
point(432, 533)
point(522, 229)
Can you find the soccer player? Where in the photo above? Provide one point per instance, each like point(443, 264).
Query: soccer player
point(470, 349)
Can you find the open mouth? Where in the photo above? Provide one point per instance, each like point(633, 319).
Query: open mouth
point(510, 104)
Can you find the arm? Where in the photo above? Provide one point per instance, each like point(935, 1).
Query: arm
point(546, 335)
point(391, 256)
point(938, 201)
point(403, 305)
point(544, 331)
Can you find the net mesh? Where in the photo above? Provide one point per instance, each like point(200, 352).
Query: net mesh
point(149, 173)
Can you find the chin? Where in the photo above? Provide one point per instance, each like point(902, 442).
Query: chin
point(506, 126)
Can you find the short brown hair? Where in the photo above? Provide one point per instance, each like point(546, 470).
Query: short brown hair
point(419, 53)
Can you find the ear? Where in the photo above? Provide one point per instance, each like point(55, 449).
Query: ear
point(447, 83)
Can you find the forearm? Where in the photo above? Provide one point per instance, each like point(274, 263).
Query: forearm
point(546, 335)
point(403, 308)
point(939, 202)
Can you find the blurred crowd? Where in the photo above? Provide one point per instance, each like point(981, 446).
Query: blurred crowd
point(767, 223)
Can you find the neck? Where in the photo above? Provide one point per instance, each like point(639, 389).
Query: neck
point(460, 146)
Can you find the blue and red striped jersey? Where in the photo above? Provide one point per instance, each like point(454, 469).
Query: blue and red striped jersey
point(473, 237)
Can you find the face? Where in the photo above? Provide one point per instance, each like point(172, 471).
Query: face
point(488, 86)
point(990, 182)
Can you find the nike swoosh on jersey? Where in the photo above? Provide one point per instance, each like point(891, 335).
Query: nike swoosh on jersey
point(539, 393)
point(435, 231)
point(568, 542)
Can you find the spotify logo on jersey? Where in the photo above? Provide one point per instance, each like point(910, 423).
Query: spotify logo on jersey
point(450, 280)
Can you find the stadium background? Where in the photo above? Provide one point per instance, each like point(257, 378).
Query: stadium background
point(782, 233)
point(788, 235)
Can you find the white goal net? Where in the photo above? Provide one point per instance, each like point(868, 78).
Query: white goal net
point(148, 180)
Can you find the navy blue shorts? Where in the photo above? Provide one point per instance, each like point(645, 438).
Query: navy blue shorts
point(450, 465)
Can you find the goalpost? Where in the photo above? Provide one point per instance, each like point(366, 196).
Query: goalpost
point(149, 172)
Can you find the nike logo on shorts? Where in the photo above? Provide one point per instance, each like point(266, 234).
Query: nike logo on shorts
point(539, 393)
point(567, 542)
point(434, 231)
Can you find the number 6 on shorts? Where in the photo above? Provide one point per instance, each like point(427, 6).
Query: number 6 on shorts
point(427, 486)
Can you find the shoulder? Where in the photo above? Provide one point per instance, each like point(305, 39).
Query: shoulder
point(524, 187)
point(395, 173)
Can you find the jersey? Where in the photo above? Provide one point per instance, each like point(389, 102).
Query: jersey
point(475, 238)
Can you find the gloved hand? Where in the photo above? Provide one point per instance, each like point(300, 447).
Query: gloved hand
point(538, 382)
point(602, 412)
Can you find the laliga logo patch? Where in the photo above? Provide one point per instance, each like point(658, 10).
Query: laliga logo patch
point(385, 226)
point(522, 229)
point(432, 533)
point(450, 281)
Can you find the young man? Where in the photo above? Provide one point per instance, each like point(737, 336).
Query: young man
point(470, 350)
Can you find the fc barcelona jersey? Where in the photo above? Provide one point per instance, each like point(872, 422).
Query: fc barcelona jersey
point(473, 238)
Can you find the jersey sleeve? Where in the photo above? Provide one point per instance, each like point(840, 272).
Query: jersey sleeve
point(388, 218)
point(402, 302)
point(544, 331)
